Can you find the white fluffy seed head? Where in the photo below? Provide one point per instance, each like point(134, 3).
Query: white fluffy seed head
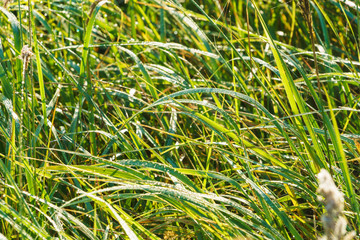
point(334, 221)
point(333, 198)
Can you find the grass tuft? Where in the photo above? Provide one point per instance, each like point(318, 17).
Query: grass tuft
point(161, 119)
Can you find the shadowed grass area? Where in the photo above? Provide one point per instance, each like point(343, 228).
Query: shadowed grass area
point(160, 119)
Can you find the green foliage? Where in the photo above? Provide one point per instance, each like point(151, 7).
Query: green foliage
point(161, 119)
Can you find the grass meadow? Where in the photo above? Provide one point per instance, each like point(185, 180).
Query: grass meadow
point(177, 119)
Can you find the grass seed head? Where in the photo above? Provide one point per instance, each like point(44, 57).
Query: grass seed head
point(304, 6)
point(333, 198)
point(26, 54)
point(334, 223)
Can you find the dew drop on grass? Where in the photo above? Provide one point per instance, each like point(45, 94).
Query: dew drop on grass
point(132, 92)
point(280, 33)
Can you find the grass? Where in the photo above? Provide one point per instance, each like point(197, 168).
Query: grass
point(159, 119)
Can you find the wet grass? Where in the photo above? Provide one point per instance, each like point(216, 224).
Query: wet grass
point(157, 119)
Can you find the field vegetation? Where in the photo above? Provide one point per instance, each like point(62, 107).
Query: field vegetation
point(169, 119)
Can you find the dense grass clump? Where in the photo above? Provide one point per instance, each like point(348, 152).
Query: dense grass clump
point(169, 119)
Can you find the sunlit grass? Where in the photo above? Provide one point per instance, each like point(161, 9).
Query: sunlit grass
point(190, 119)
